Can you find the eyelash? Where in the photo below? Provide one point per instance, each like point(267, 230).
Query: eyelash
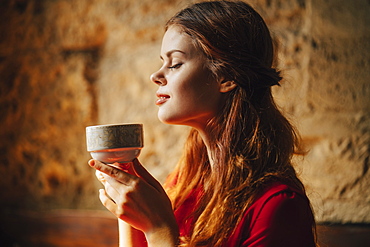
point(176, 66)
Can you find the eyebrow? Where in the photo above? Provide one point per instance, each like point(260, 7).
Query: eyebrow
point(169, 53)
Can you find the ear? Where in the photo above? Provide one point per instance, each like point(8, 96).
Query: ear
point(227, 86)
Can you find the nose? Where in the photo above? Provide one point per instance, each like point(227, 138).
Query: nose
point(158, 78)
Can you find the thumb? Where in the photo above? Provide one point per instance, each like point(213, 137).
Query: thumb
point(145, 175)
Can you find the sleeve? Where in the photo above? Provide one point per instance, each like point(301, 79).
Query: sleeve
point(285, 219)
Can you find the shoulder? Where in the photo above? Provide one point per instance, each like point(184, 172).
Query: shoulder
point(282, 214)
point(277, 201)
point(276, 196)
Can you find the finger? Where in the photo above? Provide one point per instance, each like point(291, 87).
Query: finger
point(110, 204)
point(113, 172)
point(106, 201)
point(113, 191)
point(100, 177)
point(126, 167)
point(144, 174)
point(110, 190)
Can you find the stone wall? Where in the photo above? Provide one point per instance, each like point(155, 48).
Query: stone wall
point(68, 64)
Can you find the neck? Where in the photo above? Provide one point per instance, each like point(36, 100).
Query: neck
point(205, 135)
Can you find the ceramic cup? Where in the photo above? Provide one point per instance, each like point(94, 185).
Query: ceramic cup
point(114, 143)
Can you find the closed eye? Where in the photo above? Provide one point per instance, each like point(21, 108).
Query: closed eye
point(176, 66)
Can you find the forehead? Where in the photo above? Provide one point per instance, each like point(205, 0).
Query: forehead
point(176, 40)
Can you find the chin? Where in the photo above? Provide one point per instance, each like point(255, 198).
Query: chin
point(167, 121)
point(164, 119)
point(170, 120)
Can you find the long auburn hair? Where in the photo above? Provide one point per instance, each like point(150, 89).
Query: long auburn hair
point(252, 141)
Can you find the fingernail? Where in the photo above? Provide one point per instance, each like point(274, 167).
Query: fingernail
point(92, 163)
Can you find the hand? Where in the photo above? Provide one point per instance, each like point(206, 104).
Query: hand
point(138, 200)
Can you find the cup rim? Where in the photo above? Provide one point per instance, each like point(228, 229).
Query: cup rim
point(114, 125)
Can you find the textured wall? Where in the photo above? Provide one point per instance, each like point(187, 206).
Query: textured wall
point(68, 64)
point(338, 105)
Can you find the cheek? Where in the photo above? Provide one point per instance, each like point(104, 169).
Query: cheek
point(190, 93)
point(195, 90)
point(196, 84)
point(199, 100)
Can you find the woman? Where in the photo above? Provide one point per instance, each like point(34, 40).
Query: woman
point(235, 184)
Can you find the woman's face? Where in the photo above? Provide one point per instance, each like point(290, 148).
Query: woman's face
point(188, 94)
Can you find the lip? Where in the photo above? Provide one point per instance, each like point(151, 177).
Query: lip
point(161, 98)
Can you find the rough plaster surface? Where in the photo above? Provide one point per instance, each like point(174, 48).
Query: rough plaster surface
point(68, 64)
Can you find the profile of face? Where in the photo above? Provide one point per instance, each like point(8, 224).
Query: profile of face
point(188, 93)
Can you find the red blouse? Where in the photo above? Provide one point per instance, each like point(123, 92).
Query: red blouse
point(281, 216)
